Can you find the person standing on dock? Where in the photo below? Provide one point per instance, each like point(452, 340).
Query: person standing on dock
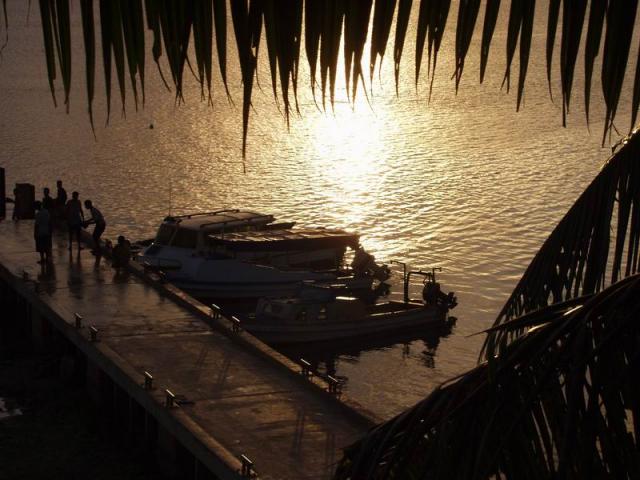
point(75, 219)
point(48, 203)
point(61, 200)
point(42, 233)
point(100, 225)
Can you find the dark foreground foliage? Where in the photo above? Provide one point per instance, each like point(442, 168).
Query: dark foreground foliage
point(561, 401)
point(594, 245)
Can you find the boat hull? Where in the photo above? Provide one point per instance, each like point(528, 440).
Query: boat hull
point(240, 291)
point(274, 330)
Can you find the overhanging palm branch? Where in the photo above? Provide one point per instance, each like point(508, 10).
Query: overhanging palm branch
point(4, 38)
point(594, 245)
point(185, 27)
point(561, 401)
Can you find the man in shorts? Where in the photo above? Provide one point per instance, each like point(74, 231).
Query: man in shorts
point(42, 233)
point(75, 217)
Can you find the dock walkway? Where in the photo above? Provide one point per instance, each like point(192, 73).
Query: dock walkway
point(236, 396)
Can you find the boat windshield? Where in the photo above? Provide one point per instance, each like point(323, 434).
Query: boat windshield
point(165, 232)
point(185, 238)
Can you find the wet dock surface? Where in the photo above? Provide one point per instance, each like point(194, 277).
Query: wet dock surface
point(242, 399)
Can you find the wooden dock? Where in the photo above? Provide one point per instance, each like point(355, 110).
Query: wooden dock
point(214, 397)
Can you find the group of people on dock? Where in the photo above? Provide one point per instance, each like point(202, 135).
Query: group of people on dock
point(56, 212)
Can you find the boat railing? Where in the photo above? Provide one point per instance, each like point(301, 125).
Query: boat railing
point(248, 221)
point(162, 263)
point(203, 214)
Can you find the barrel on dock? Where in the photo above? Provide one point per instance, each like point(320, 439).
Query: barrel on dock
point(25, 196)
point(3, 195)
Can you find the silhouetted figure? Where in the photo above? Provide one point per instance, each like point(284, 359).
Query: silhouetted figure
point(121, 253)
point(61, 200)
point(100, 225)
point(16, 205)
point(75, 218)
point(42, 233)
point(48, 203)
point(61, 195)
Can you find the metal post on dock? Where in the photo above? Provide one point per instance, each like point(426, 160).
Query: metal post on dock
point(306, 368)
point(78, 319)
point(148, 381)
point(216, 311)
point(247, 467)
point(235, 325)
point(170, 399)
point(334, 385)
point(94, 333)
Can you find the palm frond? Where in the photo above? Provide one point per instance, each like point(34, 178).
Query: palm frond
point(467, 16)
point(572, 23)
point(592, 46)
point(47, 33)
point(552, 26)
point(356, 24)
point(520, 28)
point(621, 15)
point(88, 30)
point(382, 20)
point(579, 258)
point(247, 26)
point(402, 22)
point(6, 26)
point(490, 18)
point(432, 21)
point(559, 402)
point(282, 29)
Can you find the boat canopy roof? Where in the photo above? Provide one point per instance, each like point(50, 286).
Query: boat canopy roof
point(285, 239)
point(219, 220)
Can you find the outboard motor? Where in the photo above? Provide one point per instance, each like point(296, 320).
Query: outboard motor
point(433, 295)
point(364, 264)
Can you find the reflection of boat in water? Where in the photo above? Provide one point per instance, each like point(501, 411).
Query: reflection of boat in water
point(233, 254)
point(325, 357)
point(320, 313)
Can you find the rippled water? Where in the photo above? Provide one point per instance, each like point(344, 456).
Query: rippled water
point(464, 182)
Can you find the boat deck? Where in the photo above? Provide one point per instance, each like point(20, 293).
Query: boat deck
point(234, 391)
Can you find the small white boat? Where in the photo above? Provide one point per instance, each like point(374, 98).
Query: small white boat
point(321, 313)
point(236, 255)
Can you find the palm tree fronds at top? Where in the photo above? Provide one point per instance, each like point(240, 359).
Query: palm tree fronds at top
point(183, 28)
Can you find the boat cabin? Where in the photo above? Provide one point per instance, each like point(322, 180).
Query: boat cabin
point(191, 231)
point(247, 237)
point(286, 239)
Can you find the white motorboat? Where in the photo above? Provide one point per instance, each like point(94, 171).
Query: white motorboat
point(321, 313)
point(234, 254)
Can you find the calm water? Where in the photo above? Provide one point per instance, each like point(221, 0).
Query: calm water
point(464, 183)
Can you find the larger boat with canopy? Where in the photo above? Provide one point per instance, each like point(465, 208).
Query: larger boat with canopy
point(235, 254)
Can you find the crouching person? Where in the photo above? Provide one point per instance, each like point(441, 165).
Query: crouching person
point(100, 225)
point(121, 254)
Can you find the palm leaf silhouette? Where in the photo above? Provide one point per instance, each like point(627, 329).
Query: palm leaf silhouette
point(325, 25)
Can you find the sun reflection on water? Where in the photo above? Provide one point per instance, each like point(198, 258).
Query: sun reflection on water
point(349, 161)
